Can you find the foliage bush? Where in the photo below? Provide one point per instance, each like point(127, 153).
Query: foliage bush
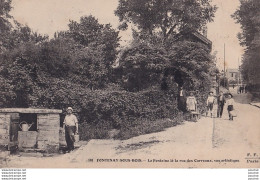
point(188, 64)
point(131, 113)
point(100, 111)
point(142, 66)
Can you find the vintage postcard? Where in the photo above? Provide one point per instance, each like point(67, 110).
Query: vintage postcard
point(129, 84)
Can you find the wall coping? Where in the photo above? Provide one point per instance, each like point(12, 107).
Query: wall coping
point(30, 110)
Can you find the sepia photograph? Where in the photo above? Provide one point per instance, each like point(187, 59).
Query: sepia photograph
point(129, 84)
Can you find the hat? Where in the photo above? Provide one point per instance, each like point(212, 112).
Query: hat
point(70, 108)
point(191, 92)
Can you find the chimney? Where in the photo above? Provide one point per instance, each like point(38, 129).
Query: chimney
point(205, 31)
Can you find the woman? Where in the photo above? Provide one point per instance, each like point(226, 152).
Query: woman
point(230, 105)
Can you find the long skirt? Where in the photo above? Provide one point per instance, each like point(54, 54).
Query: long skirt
point(182, 103)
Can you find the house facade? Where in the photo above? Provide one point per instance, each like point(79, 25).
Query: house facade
point(233, 76)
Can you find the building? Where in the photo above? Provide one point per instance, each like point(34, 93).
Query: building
point(233, 76)
point(198, 37)
point(30, 129)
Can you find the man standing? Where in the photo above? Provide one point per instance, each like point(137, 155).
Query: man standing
point(71, 128)
point(182, 100)
point(221, 102)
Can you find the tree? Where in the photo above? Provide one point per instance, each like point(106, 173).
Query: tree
point(168, 18)
point(5, 8)
point(248, 16)
point(186, 63)
point(90, 33)
point(142, 66)
point(20, 34)
point(5, 25)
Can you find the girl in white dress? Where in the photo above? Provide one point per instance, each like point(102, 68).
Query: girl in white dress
point(191, 103)
point(210, 103)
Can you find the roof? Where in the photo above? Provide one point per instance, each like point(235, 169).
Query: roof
point(30, 110)
point(202, 38)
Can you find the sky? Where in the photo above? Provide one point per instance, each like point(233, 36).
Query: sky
point(49, 16)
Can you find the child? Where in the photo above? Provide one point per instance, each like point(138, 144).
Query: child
point(230, 105)
point(210, 103)
point(191, 102)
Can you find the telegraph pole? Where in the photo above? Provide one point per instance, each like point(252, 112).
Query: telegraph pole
point(238, 78)
point(224, 65)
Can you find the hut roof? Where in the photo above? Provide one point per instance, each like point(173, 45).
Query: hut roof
point(30, 110)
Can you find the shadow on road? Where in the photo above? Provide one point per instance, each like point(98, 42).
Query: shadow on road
point(245, 98)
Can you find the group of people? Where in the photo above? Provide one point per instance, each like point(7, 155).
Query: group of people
point(190, 103)
point(242, 89)
point(220, 102)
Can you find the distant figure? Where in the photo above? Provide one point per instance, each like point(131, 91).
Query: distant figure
point(210, 103)
point(240, 90)
point(230, 105)
point(191, 103)
point(182, 100)
point(221, 102)
point(71, 128)
point(233, 86)
point(246, 88)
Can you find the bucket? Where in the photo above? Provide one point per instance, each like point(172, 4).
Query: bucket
point(76, 136)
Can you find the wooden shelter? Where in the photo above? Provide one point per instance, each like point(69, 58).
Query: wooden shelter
point(30, 129)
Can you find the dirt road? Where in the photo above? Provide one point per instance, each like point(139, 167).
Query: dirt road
point(210, 142)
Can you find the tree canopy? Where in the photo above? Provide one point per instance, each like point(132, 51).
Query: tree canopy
point(166, 17)
point(248, 15)
point(32, 65)
point(5, 8)
point(90, 33)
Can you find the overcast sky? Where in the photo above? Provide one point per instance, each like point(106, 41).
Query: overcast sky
point(49, 16)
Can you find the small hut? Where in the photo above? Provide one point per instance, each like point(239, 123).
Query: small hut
point(30, 129)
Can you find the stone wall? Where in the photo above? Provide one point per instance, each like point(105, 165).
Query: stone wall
point(48, 132)
point(27, 139)
point(4, 129)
